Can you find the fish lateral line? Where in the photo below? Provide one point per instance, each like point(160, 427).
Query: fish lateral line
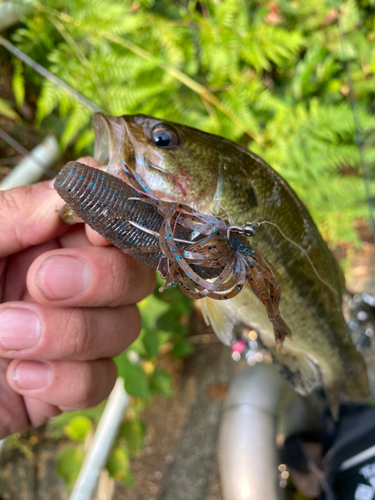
point(303, 251)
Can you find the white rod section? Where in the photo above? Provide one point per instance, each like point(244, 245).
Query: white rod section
point(101, 445)
point(32, 167)
point(248, 456)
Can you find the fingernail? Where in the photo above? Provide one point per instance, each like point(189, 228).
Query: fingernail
point(19, 328)
point(63, 277)
point(32, 374)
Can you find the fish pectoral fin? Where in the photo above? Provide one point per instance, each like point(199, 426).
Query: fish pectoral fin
point(297, 368)
point(216, 317)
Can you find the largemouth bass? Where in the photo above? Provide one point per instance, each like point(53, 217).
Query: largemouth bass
point(209, 173)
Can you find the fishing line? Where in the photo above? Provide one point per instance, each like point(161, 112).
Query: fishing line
point(303, 251)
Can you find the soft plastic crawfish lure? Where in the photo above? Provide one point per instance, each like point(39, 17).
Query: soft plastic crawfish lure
point(200, 253)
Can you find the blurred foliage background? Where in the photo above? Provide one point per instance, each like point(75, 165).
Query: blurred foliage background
point(293, 81)
point(271, 75)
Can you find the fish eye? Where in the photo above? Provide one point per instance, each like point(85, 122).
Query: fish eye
point(164, 136)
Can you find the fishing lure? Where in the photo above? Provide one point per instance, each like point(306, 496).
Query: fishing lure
point(202, 254)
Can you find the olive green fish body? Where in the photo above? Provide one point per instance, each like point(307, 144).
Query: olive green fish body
point(208, 173)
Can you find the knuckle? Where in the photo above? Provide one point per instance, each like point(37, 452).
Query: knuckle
point(83, 391)
point(10, 205)
point(127, 280)
point(93, 381)
point(80, 340)
point(10, 201)
point(124, 279)
point(119, 278)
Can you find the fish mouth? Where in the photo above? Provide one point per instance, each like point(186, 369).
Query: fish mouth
point(119, 144)
point(112, 143)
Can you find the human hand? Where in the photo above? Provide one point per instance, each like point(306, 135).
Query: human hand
point(66, 308)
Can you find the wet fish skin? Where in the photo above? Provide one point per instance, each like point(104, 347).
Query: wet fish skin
point(203, 169)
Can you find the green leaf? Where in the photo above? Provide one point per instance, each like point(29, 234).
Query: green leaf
point(118, 465)
point(136, 382)
point(161, 383)
point(153, 340)
point(18, 83)
point(57, 424)
point(129, 479)
point(78, 428)
point(133, 431)
point(151, 344)
point(151, 309)
point(69, 463)
point(7, 111)
point(138, 345)
point(171, 322)
point(182, 348)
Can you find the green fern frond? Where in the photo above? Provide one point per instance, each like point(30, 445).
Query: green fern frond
point(280, 78)
point(77, 120)
point(7, 111)
point(85, 139)
point(48, 100)
point(18, 83)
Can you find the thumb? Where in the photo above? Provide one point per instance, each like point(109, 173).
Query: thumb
point(29, 215)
